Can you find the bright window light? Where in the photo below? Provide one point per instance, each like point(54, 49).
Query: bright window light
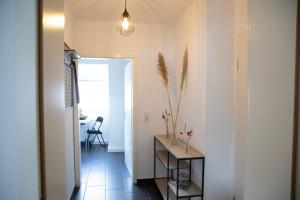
point(94, 90)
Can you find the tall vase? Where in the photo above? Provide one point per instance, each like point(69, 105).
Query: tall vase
point(174, 137)
point(167, 131)
point(187, 147)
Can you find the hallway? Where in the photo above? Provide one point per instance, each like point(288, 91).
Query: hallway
point(104, 176)
point(222, 76)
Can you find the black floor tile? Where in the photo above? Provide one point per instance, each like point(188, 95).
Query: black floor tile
point(138, 196)
point(125, 171)
point(113, 167)
point(152, 191)
point(104, 176)
point(116, 195)
point(131, 187)
point(114, 181)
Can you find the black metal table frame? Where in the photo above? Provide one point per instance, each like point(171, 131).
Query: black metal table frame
point(177, 174)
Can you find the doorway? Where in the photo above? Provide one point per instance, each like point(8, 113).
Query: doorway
point(105, 88)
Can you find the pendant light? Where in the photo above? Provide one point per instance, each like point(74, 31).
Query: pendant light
point(125, 26)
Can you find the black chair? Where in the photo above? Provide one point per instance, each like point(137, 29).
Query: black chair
point(95, 131)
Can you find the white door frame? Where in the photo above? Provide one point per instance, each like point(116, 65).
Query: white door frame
point(76, 136)
point(77, 146)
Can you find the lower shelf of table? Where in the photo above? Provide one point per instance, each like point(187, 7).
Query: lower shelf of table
point(162, 186)
point(183, 194)
point(193, 191)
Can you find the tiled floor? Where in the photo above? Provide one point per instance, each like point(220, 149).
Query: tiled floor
point(104, 176)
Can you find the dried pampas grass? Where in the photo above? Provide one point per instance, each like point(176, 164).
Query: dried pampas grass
point(183, 81)
point(163, 71)
point(184, 69)
point(162, 68)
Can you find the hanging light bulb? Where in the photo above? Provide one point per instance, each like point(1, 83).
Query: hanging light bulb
point(125, 26)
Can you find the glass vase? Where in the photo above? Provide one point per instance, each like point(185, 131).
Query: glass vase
point(174, 138)
point(187, 147)
point(167, 131)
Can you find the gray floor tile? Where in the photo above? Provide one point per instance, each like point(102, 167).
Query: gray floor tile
point(96, 179)
point(138, 196)
point(116, 195)
point(131, 187)
point(114, 182)
point(113, 167)
point(104, 176)
point(95, 193)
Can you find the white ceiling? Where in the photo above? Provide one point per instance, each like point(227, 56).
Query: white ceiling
point(147, 11)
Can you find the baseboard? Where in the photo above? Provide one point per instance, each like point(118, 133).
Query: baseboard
point(145, 181)
point(114, 149)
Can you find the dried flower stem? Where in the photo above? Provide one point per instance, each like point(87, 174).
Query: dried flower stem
point(165, 116)
point(177, 111)
point(183, 81)
point(163, 71)
point(170, 105)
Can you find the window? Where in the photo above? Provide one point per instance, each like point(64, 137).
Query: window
point(94, 90)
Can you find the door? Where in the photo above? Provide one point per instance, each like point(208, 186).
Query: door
point(295, 194)
point(128, 144)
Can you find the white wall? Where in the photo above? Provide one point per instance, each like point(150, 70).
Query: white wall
point(68, 25)
point(272, 42)
point(18, 87)
point(116, 106)
point(219, 140)
point(57, 141)
point(69, 148)
point(128, 134)
point(241, 95)
point(100, 39)
point(264, 98)
point(207, 104)
point(69, 125)
point(189, 33)
point(8, 102)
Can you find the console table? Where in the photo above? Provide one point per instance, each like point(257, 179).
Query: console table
point(173, 157)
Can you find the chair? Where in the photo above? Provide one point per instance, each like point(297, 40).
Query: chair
point(95, 131)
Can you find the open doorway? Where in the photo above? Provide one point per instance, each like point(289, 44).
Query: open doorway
point(105, 88)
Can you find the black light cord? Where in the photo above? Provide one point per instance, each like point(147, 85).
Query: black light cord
point(125, 4)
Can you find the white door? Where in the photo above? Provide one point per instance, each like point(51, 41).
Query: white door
point(128, 118)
